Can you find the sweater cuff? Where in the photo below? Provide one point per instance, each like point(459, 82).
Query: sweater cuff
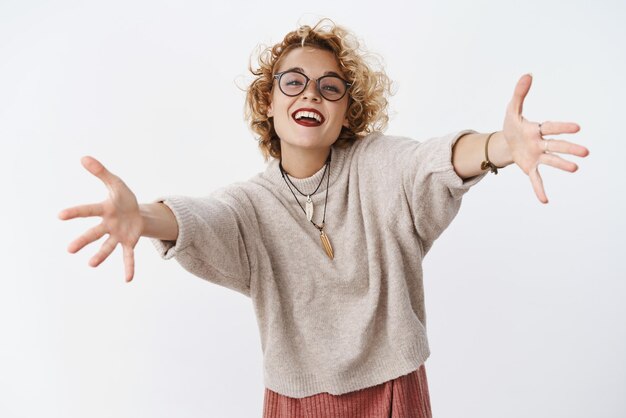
point(186, 227)
point(444, 166)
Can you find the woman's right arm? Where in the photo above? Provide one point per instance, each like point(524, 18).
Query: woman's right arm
point(123, 219)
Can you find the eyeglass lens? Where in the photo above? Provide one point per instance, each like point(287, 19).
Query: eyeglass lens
point(331, 88)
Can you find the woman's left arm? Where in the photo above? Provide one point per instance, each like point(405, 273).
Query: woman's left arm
point(520, 142)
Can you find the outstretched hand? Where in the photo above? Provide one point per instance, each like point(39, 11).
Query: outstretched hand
point(528, 146)
point(120, 219)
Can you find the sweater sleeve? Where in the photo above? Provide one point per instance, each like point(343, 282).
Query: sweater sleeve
point(431, 189)
point(211, 242)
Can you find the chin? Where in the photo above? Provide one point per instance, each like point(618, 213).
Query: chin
point(307, 146)
point(307, 143)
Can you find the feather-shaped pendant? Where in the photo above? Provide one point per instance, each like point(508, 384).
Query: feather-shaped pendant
point(309, 208)
point(326, 244)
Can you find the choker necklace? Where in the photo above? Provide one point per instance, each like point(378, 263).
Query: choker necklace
point(309, 204)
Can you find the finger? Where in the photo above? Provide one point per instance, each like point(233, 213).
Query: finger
point(129, 262)
point(557, 128)
point(558, 162)
point(519, 94)
point(537, 183)
point(88, 237)
point(83, 211)
point(105, 250)
point(566, 147)
point(97, 169)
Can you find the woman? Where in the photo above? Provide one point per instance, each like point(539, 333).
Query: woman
point(328, 241)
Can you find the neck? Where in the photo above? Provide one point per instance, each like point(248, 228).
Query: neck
point(300, 163)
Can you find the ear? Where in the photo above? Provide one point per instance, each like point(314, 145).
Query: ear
point(270, 111)
point(346, 122)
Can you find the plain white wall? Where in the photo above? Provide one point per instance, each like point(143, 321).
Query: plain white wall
point(525, 301)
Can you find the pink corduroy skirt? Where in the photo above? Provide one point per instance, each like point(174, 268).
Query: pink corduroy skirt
point(403, 397)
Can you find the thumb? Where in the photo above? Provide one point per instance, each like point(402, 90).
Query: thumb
point(520, 92)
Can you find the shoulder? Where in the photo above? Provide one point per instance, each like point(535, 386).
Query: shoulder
point(250, 195)
point(379, 141)
point(377, 148)
point(241, 192)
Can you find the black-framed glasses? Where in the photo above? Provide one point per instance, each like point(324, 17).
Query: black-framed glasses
point(293, 82)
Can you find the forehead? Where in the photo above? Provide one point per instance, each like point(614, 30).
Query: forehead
point(315, 62)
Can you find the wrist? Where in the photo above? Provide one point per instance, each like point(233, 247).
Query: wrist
point(499, 151)
point(143, 213)
point(158, 221)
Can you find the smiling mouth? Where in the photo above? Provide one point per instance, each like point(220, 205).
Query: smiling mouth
point(308, 117)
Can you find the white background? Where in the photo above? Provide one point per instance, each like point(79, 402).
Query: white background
point(525, 302)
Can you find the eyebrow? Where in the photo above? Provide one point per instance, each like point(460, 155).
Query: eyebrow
point(302, 71)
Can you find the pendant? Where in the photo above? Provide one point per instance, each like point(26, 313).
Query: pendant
point(309, 208)
point(326, 244)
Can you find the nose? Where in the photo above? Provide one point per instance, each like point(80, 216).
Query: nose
point(311, 92)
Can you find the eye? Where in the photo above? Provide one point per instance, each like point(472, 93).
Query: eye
point(293, 82)
point(332, 85)
point(331, 88)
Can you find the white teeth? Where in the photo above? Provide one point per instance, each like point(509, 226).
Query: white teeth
point(302, 114)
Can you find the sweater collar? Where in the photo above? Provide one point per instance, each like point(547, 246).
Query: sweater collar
point(308, 184)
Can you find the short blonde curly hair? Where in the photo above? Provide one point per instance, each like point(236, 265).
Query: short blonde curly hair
point(367, 105)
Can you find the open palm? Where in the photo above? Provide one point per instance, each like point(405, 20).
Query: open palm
point(121, 219)
point(527, 144)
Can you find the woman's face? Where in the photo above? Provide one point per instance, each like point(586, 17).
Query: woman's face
point(305, 133)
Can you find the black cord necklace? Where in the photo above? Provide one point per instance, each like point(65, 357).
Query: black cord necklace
point(309, 204)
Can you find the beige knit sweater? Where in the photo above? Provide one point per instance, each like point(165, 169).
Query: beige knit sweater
point(329, 325)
